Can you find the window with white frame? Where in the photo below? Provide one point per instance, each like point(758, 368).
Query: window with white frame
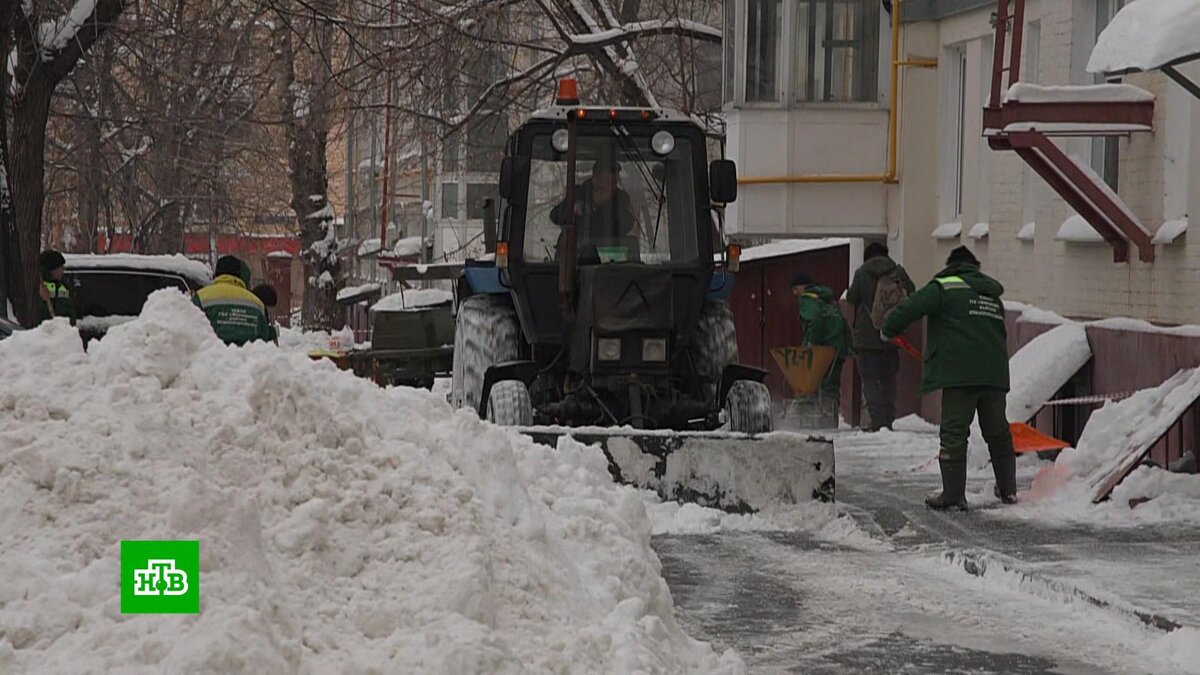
point(764, 45)
point(837, 50)
point(1106, 150)
point(953, 125)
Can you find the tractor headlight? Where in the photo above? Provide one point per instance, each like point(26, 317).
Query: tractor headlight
point(654, 350)
point(560, 140)
point(662, 143)
point(608, 349)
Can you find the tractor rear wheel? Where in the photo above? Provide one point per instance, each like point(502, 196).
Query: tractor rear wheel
point(486, 333)
point(748, 406)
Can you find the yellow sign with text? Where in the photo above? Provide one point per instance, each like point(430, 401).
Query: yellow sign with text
point(804, 367)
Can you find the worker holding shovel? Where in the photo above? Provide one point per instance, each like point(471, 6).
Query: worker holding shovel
point(967, 359)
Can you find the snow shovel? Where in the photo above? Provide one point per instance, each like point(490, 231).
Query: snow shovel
point(1025, 438)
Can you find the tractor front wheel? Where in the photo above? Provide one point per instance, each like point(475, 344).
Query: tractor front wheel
point(748, 406)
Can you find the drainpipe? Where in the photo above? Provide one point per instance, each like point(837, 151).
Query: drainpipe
point(889, 175)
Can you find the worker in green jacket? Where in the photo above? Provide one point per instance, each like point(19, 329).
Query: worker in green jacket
point(237, 315)
point(823, 325)
point(54, 297)
point(966, 356)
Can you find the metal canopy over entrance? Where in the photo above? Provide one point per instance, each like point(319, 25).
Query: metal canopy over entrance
point(1024, 117)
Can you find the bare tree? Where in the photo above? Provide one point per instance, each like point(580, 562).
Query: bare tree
point(49, 43)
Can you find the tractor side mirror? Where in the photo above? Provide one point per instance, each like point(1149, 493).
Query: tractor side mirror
point(722, 181)
point(511, 171)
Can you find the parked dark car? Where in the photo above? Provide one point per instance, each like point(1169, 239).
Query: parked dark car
point(111, 289)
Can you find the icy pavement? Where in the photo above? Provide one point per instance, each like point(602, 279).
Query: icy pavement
point(913, 591)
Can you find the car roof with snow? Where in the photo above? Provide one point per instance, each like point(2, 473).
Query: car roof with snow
point(194, 273)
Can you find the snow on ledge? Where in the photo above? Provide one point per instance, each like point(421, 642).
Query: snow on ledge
point(947, 231)
point(413, 299)
point(352, 291)
point(1024, 92)
point(1027, 232)
point(370, 246)
point(1147, 34)
point(1078, 231)
point(1077, 127)
point(781, 247)
point(1170, 231)
point(979, 231)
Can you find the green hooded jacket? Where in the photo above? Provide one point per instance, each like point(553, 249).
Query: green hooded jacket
point(966, 343)
point(822, 320)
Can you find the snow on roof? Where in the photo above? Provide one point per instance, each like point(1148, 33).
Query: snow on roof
point(1147, 34)
point(417, 298)
point(409, 246)
point(947, 231)
point(352, 291)
point(781, 247)
point(1078, 128)
point(1170, 231)
point(979, 230)
point(1078, 230)
point(169, 264)
point(369, 246)
point(1025, 92)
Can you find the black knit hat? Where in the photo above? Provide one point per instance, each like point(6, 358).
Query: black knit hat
point(801, 279)
point(875, 250)
point(51, 260)
point(267, 294)
point(962, 254)
point(229, 264)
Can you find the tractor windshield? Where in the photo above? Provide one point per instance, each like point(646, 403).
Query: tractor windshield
point(631, 203)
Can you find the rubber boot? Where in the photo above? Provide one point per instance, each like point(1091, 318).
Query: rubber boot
point(1005, 468)
point(954, 488)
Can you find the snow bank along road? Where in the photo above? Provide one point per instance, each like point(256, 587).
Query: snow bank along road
point(342, 528)
point(872, 586)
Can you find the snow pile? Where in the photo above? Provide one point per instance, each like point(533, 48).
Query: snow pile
point(822, 520)
point(343, 528)
point(167, 264)
point(1110, 445)
point(1147, 34)
point(413, 299)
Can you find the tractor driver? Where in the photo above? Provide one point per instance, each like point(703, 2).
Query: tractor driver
point(603, 213)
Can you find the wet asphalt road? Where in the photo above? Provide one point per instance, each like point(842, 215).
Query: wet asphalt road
point(795, 603)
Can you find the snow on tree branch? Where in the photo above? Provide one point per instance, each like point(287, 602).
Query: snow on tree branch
point(633, 31)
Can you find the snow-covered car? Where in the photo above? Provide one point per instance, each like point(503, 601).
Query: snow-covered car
point(7, 328)
point(111, 289)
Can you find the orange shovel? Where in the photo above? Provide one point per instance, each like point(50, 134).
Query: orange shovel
point(1025, 438)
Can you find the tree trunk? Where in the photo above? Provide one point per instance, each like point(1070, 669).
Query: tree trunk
point(10, 257)
point(28, 171)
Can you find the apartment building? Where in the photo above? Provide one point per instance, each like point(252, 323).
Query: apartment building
point(808, 91)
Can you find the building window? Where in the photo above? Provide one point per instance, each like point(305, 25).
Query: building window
point(954, 127)
point(1106, 151)
point(485, 144)
point(450, 201)
point(730, 40)
point(764, 18)
point(476, 194)
point(837, 50)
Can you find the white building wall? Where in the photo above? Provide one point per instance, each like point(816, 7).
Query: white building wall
point(1158, 179)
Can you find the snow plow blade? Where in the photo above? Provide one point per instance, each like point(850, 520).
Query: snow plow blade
point(734, 472)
